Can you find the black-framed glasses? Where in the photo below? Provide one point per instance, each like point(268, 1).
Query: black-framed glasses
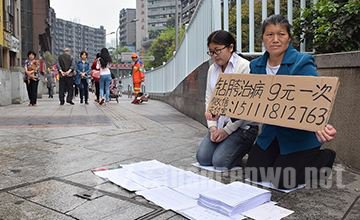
point(216, 51)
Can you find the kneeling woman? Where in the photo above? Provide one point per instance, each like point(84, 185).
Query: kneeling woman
point(280, 150)
point(227, 142)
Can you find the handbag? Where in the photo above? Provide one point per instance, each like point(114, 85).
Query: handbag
point(95, 74)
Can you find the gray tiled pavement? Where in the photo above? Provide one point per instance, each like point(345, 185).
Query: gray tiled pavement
point(47, 153)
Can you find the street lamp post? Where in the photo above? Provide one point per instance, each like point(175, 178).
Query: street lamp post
point(117, 44)
point(117, 52)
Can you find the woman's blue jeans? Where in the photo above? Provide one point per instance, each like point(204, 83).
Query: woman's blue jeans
point(105, 82)
point(229, 152)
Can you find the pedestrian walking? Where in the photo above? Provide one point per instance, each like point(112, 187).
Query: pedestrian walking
point(50, 82)
point(31, 77)
point(82, 76)
point(95, 77)
point(66, 71)
point(103, 64)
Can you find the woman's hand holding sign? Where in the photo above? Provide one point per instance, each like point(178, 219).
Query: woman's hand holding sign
point(327, 134)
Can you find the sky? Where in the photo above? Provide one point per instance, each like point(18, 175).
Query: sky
point(92, 13)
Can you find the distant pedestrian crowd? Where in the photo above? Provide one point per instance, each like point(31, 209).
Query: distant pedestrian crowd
point(74, 79)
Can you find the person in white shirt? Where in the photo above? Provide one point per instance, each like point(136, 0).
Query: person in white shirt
point(227, 141)
point(103, 64)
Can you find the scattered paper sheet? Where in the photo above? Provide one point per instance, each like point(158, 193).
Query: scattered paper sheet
point(120, 177)
point(180, 190)
point(271, 186)
point(168, 198)
point(193, 190)
point(199, 212)
point(149, 164)
point(268, 211)
point(170, 176)
point(212, 169)
point(105, 173)
point(127, 179)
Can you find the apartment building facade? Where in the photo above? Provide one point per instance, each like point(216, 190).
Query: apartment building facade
point(187, 10)
point(78, 37)
point(35, 27)
point(127, 30)
point(10, 33)
point(153, 17)
point(52, 23)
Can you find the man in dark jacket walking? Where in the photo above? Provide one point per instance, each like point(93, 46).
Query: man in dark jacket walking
point(66, 72)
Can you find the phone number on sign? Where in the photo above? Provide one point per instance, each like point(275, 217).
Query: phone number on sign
point(301, 114)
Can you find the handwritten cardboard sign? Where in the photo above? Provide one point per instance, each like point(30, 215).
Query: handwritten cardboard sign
point(302, 102)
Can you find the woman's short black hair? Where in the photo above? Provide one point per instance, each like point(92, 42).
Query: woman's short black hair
point(83, 52)
point(276, 20)
point(223, 38)
point(31, 52)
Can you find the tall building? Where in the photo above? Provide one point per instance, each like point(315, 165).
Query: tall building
point(52, 23)
point(35, 26)
point(127, 35)
point(41, 27)
point(26, 28)
point(11, 33)
point(187, 10)
point(153, 16)
point(78, 37)
point(142, 25)
point(159, 12)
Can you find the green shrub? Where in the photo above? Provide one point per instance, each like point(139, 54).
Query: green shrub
point(331, 26)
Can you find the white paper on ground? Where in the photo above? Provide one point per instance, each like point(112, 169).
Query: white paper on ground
point(105, 173)
point(234, 198)
point(201, 213)
point(268, 211)
point(126, 183)
point(148, 178)
point(212, 169)
point(235, 193)
point(168, 198)
point(170, 176)
point(193, 190)
point(149, 164)
point(125, 178)
point(271, 186)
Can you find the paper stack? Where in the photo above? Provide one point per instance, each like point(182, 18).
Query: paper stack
point(234, 198)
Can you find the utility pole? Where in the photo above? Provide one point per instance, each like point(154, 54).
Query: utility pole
point(117, 52)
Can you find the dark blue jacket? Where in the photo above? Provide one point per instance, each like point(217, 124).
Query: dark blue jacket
point(290, 140)
point(82, 67)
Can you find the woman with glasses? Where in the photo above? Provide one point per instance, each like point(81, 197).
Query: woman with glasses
point(226, 142)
